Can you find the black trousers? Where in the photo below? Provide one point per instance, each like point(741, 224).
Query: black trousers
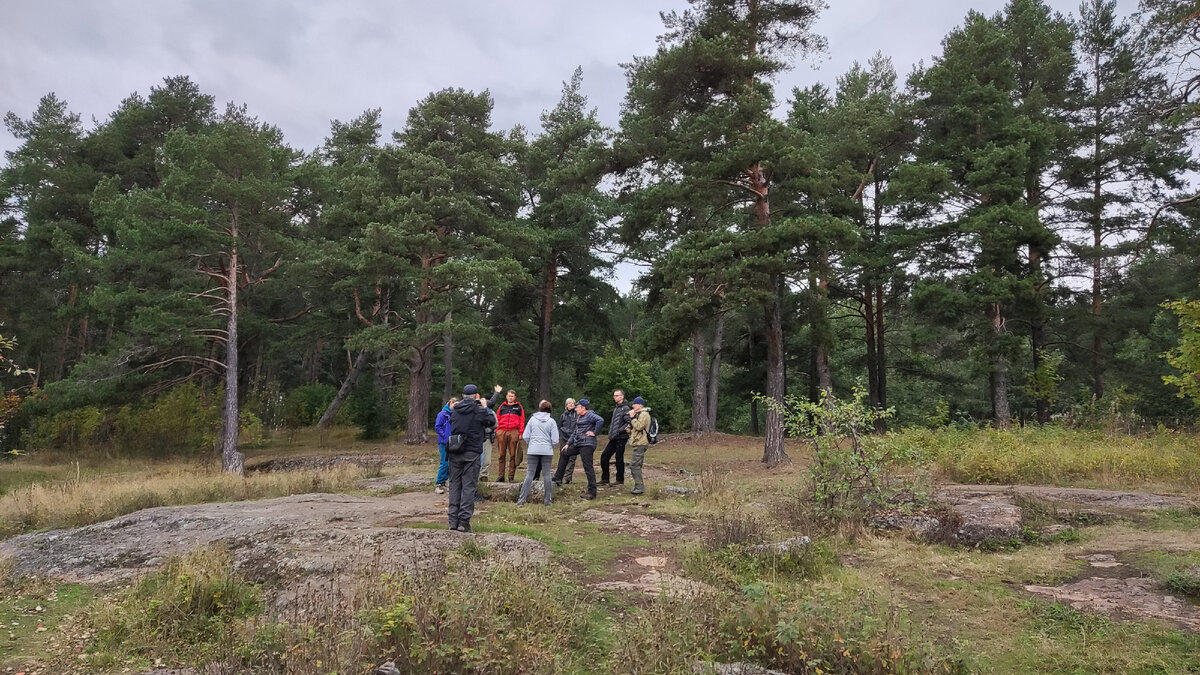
point(616, 446)
point(585, 457)
point(464, 476)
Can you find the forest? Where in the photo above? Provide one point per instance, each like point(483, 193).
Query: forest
point(1009, 235)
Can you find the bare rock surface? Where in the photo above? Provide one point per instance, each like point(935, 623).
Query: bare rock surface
point(632, 522)
point(270, 540)
point(972, 515)
point(1068, 497)
point(326, 462)
point(1123, 598)
point(402, 480)
point(704, 668)
point(651, 578)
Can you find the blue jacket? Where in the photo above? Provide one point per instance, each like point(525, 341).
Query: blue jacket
point(442, 425)
point(589, 422)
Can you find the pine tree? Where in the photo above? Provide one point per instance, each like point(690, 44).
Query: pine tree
point(449, 191)
point(697, 140)
point(989, 141)
point(562, 169)
point(1127, 157)
point(46, 188)
point(221, 214)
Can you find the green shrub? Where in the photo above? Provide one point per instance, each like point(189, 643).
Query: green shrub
point(185, 610)
point(813, 633)
point(304, 405)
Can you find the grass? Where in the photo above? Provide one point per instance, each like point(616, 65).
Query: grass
point(29, 610)
point(87, 498)
point(1177, 571)
point(1167, 460)
point(853, 602)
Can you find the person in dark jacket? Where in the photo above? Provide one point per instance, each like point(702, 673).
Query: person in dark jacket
point(566, 427)
point(583, 443)
point(510, 426)
point(470, 419)
point(618, 436)
point(442, 426)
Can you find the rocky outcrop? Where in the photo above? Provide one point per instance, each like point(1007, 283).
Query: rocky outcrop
point(273, 540)
point(320, 462)
point(975, 515)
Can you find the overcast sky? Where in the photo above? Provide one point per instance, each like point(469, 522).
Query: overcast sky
point(301, 63)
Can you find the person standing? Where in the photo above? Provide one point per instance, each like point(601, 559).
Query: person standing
point(583, 443)
point(566, 427)
point(639, 440)
point(618, 436)
point(510, 425)
point(442, 426)
point(541, 435)
point(489, 439)
point(470, 421)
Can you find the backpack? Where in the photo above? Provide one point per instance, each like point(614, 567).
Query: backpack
point(652, 431)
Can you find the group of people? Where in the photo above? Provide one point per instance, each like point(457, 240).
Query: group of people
point(468, 427)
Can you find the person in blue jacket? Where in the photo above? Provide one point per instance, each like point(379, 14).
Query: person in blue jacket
point(442, 426)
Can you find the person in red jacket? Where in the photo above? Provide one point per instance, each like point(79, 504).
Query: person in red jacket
point(509, 427)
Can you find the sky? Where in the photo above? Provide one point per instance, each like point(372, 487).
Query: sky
point(299, 64)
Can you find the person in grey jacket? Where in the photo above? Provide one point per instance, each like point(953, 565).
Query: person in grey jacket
point(583, 443)
point(541, 435)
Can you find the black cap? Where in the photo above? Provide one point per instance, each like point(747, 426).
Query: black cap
point(585, 403)
point(470, 390)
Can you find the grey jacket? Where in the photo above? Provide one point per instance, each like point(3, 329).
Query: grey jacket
point(541, 434)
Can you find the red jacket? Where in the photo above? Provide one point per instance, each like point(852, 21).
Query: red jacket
point(511, 416)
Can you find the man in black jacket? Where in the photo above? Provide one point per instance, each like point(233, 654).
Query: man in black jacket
point(618, 436)
point(471, 420)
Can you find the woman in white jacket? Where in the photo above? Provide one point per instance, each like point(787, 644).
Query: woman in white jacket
point(541, 435)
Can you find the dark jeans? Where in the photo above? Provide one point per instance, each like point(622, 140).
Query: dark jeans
point(616, 446)
point(464, 476)
point(589, 469)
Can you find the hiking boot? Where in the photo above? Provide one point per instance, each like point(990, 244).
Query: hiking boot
point(453, 525)
point(637, 491)
point(558, 483)
point(440, 489)
point(587, 495)
point(464, 527)
point(500, 479)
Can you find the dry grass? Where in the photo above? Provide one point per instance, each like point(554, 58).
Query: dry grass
point(1166, 460)
point(86, 498)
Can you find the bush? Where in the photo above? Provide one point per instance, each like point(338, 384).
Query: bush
point(185, 610)
point(814, 633)
point(847, 480)
point(181, 421)
point(304, 405)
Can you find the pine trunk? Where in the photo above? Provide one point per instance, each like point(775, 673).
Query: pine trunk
point(447, 363)
point(1037, 332)
point(232, 460)
point(420, 380)
point(1003, 417)
point(699, 382)
point(714, 373)
point(880, 357)
point(1097, 218)
point(774, 453)
point(335, 405)
point(546, 333)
